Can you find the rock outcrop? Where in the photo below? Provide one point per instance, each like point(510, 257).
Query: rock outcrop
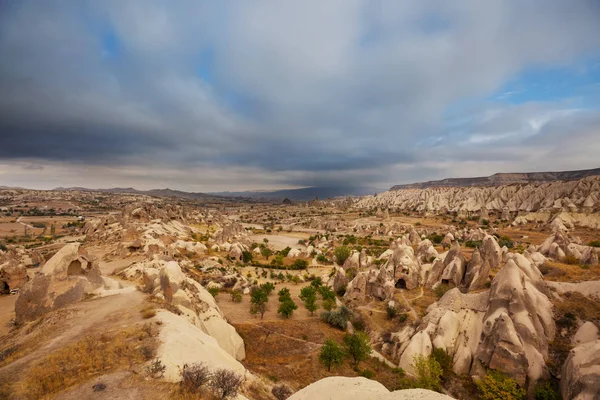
point(63, 280)
point(165, 280)
point(580, 376)
point(343, 388)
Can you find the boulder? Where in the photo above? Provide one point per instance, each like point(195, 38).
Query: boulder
point(343, 388)
point(580, 376)
point(12, 276)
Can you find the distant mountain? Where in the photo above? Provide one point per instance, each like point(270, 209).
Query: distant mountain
point(303, 194)
point(504, 179)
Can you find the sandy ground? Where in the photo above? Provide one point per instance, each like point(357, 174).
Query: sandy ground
point(7, 313)
point(281, 241)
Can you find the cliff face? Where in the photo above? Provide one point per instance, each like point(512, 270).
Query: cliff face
point(504, 179)
point(582, 195)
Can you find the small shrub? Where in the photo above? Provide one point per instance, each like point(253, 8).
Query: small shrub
point(496, 386)
point(225, 383)
point(429, 372)
point(156, 369)
point(338, 318)
point(444, 360)
point(322, 259)
point(473, 243)
point(194, 377)
point(571, 260)
point(441, 289)
point(545, 391)
point(236, 296)
point(285, 251)
point(281, 392)
point(214, 291)
point(341, 254)
point(148, 312)
point(247, 257)
point(367, 373)
point(403, 317)
point(299, 264)
point(391, 311)
point(594, 243)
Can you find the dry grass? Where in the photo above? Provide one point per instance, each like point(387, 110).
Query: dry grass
point(294, 362)
point(562, 272)
point(78, 362)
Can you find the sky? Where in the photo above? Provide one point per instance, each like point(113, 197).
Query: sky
point(244, 95)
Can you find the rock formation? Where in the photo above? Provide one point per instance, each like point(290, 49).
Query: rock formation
point(63, 280)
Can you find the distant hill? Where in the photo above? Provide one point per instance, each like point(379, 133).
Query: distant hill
point(504, 179)
point(303, 194)
point(152, 192)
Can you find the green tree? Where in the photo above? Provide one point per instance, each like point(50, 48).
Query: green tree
point(308, 295)
point(283, 293)
point(341, 254)
point(266, 252)
point(267, 287)
point(317, 283)
point(497, 386)
point(357, 347)
point(326, 293)
point(429, 372)
point(331, 354)
point(258, 302)
point(299, 264)
point(286, 307)
point(247, 257)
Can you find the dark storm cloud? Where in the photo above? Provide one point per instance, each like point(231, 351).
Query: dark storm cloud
point(295, 93)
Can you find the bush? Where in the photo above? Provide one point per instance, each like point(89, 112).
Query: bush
point(594, 243)
point(331, 354)
point(391, 311)
point(156, 369)
point(496, 386)
point(506, 241)
point(357, 347)
point(299, 264)
point(444, 360)
point(247, 257)
point(545, 391)
point(281, 392)
point(338, 318)
point(571, 260)
point(194, 377)
point(214, 291)
point(225, 383)
point(429, 373)
point(435, 238)
point(285, 251)
point(367, 373)
point(441, 289)
point(322, 259)
point(341, 254)
point(236, 296)
point(473, 243)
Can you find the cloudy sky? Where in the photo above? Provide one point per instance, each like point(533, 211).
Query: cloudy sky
point(235, 95)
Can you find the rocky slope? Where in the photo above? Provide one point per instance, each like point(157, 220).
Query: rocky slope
point(547, 199)
point(504, 179)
